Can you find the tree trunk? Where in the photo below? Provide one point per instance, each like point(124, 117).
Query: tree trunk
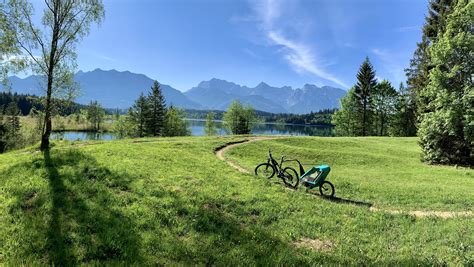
point(364, 118)
point(47, 116)
point(49, 92)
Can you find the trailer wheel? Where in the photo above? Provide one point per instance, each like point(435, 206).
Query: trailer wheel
point(326, 189)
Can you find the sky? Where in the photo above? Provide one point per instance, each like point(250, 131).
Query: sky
point(280, 42)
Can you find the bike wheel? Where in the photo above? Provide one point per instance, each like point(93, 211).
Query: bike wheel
point(327, 189)
point(265, 170)
point(290, 177)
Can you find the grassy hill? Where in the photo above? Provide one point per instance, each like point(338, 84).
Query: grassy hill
point(171, 201)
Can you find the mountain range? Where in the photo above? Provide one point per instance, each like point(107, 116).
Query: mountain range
point(119, 89)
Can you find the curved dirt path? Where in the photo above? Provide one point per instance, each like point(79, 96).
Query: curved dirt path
point(220, 151)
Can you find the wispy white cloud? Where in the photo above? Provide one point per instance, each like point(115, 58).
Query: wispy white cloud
point(382, 54)
point(107, 58)
point(252, 54)
point(299, 55)
point(390, 63)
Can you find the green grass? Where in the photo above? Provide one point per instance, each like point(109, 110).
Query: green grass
point(171, 201)
point(387, 172)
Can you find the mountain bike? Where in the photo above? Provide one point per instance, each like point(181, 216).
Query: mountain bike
point(268, 169)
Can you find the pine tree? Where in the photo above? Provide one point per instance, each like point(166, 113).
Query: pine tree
point(157, 111)
point(447, 125)
point(384, 99)
point(12, 137)
point(364, 88)
point(420, 64)
point(138, 116)
point(13, 121)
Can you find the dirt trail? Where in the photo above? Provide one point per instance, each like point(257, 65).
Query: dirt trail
point(427, 213)
point(220, 151)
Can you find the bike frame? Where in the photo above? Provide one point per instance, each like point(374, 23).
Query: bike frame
point(278, 167)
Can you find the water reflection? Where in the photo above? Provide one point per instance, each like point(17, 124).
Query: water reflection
point(197, 129)
point(72, 136)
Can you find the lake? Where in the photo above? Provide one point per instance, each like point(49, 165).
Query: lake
point(197, 129)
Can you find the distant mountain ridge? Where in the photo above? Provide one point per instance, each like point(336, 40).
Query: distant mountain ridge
point(119, 89)
point(218, 94)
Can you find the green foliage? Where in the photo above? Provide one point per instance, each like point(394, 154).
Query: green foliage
point(95, 115)
point(9, 48)
point(447, 125)
point(210, 127)
point(363, 91)
point(384, 101)
point(63, 25)
point(12, 133)
point(404, 120)
point(421, 63)
point(239, 119)
point(347, 118)
point(138, 116)
point(175, 123)
point(156, 111)
point(123, 127)
point(149, 117)
point(174, 203)
point(28, 103)
point(356, 116)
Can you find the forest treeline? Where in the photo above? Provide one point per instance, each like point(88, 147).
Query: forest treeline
point(437, 104)
point(26, 103)
point(322, 117)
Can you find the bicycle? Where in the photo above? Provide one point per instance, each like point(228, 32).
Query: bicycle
point(314, 177)
point(268, 169)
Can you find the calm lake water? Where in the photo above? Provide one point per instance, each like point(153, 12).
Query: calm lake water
point(197, 129)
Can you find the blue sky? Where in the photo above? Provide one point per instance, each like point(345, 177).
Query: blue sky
point(281, 42)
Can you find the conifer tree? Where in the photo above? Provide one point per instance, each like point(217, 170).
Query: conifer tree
point(138, 116)
point(10, 137)
point(13, 121)
point(420, 64)
point(156, 112)
point(363, 90)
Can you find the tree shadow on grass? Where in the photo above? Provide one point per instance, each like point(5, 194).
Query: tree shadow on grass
point(77, 217)
point(345, 200)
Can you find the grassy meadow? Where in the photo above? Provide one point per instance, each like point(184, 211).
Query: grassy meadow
point(171, 201)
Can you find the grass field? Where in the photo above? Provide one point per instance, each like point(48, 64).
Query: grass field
point(171, 201)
